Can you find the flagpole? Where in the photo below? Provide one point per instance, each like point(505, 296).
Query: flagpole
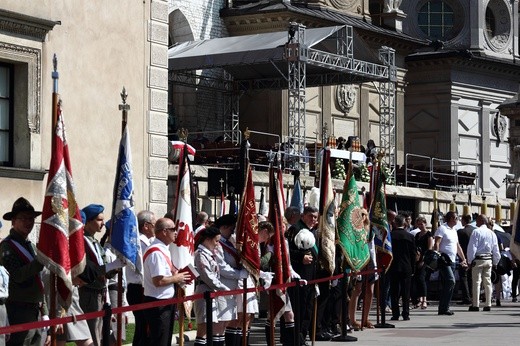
point(55, 101)
point(181, 293)
point(124, 108)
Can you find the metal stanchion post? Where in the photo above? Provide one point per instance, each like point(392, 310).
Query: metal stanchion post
point(209, 318)
point(344, 313)
point(106, 324)
point(382, 300)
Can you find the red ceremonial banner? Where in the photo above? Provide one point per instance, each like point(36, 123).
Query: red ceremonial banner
point(247, 228)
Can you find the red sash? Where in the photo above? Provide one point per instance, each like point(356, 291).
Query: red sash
point(155, 248)
point(26, 256)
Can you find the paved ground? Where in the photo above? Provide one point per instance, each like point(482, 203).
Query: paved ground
point(500, 326)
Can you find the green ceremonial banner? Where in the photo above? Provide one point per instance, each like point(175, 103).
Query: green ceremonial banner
point(350, 228)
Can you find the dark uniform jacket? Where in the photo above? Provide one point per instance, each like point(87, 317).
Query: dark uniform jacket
point(404, 252)
point(306, 271)
point(25, 284)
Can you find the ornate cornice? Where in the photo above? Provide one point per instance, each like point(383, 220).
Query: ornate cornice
point(23, 25)
point(466, 59)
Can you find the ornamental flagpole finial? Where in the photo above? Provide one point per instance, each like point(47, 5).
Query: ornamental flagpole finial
point(124, 96)
point(55, 75)
point(183, 134)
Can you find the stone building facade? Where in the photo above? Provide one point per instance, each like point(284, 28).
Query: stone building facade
point(101, 46)
point(451, 77)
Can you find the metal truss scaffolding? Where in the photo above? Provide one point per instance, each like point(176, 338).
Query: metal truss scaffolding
point(387, 119)
point(313, 57)
point(231, 107)
point(296, 54)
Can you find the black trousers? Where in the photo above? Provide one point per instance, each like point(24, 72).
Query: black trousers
point(400, 287)
point(134, 295)
point(160, 320)
point(23, 313)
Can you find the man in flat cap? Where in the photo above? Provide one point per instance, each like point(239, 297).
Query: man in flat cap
point(92, 294)
point(18, 255)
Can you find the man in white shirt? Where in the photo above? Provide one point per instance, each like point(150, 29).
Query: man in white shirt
point(134, 295)
point(447, 242)
point(483, 253)
point(158, 280)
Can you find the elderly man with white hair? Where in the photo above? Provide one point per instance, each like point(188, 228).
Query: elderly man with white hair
point(483, 253)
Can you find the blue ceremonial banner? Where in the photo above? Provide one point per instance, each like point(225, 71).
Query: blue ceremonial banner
point(379, 220)
point(297, 195)
point(124, 236)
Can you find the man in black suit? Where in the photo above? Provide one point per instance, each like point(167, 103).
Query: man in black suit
point(402, 268)
point(304, 261)
point(464, 274)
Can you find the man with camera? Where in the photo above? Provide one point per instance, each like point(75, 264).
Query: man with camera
point(447, 243)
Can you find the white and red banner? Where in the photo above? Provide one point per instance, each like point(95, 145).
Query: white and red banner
point(183, 248)
point(60, 246)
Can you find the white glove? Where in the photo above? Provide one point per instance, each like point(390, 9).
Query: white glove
point(267, 277)
point(316, 291)
point(334, 283)
point(359, 278)
point(295, 275)
point(116, 264)
point(45, 318)
point(376, 276)
point(243, 274)
point(270, 248)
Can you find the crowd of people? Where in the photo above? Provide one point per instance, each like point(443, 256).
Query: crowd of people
point(473, 251)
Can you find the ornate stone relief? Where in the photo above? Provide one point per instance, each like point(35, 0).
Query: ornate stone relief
point(31, 57)
point(499, 126)
point(498, 25)
point(346, 97)
point(344, 4)
point(392, 6)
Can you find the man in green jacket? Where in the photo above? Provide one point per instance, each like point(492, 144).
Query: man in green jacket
point(18, 255)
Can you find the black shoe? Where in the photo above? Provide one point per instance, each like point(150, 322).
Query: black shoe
point(406, 318)
point(473, 308)
point(486, 308)
point(323, 336)
point(498, 302)
point(447, 313)
point(514, 300)
point(394, 318)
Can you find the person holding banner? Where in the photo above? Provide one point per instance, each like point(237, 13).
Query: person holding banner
point(304, 258)
point(231, 272)
point(26, 302)
point(158, 280)
point(209, 280)
point(92, 295)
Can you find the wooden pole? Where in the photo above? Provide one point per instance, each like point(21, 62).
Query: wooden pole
point(124, 108)
point(244, 314)
point(52, 278)
point(271, 319)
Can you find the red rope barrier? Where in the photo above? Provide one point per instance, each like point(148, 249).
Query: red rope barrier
point(90, 315)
